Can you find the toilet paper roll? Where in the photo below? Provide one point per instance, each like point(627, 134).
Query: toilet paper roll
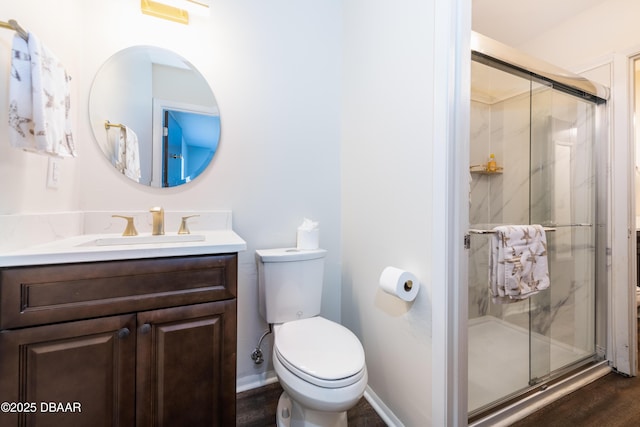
point(399, 283)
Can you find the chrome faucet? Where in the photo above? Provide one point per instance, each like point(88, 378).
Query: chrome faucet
point(158, 220)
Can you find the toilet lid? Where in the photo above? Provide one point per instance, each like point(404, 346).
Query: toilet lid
point(317, 348)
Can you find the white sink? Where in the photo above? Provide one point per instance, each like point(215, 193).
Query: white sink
point(145, 240)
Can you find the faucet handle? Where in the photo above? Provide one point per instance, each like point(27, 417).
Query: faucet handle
point(183, 225)
point(130, 230)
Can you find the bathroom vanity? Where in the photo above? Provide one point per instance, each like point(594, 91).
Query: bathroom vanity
point(151, 340)
point(120, 336)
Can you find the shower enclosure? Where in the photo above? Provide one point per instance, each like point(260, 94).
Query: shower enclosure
point(543, 134)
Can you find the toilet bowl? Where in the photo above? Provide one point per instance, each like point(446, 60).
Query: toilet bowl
point(320, 365)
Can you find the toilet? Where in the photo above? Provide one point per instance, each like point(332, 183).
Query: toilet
point(320, 364)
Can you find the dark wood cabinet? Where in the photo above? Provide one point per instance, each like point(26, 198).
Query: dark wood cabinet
point(129, 343)
point(188, 377)
point(87, 364)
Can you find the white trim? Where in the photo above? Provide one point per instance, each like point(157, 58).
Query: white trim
point(622, 297)
point(450, 160)
point(621, 308)
point(381, 409)
point(255, 381)
point(633, 249)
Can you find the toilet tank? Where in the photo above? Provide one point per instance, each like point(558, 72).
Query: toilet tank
point(289, 283)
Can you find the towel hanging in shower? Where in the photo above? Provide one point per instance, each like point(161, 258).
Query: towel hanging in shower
point(518, 266)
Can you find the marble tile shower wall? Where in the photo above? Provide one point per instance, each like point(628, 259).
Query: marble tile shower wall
point(501, 128)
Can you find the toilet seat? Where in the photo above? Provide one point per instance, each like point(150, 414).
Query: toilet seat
point(320, 351)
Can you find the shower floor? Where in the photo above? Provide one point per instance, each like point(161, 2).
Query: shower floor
point(499, 359)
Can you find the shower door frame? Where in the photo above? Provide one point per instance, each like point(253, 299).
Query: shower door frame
point(606, 348)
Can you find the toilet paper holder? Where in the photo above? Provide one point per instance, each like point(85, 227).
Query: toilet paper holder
point(408, 285)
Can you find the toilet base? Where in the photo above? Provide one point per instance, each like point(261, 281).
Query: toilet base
point(291, 414)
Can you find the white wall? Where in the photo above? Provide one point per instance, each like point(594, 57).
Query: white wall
point(23, 175)
point(386, 194)
point(274, 68)
point(611, 26)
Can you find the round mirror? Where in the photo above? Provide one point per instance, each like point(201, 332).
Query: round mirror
point(154, 116)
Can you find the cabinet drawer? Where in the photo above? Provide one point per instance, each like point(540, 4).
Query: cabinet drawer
point(46, 294)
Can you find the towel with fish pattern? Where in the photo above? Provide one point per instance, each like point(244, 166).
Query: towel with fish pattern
point(518, 266)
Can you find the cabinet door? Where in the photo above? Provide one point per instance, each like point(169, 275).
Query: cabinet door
point(187, 366)
point(71, 374)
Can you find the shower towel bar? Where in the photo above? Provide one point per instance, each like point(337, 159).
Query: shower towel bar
point(477, 231)
point(548, 228)
point(13, 25)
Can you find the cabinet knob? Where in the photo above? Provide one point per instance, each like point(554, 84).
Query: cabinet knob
point(123, 333)
point(144, 329)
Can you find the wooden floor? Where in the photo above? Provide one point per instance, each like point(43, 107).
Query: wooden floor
point(257, 408)
point(611, 401)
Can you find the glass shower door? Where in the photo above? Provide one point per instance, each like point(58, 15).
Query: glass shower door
point(499, 338)
point(543, 141)
point(562, 319)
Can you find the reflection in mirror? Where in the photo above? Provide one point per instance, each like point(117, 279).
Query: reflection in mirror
point(154, 116)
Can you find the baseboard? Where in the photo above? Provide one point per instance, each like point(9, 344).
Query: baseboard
point(254, 381)
point(381, 409)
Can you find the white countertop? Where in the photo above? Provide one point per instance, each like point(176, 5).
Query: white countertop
point(82, 248)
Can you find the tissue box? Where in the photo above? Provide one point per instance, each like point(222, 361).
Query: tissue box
point(308, 239)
